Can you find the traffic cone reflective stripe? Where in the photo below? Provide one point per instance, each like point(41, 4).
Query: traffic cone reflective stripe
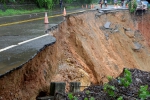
point(46, 18)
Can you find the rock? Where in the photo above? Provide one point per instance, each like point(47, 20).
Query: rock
point(126, 29)
point(100, 11)
point(138, 80)
point(130, 34)
point(116, 30)
point(106, 36)
point(137, 46)
point(98, 14)
point(107, 24)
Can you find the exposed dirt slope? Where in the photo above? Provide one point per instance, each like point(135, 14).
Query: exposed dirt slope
point(143, 26)
point(31, 79)
point(96, 52)
point(84, 51)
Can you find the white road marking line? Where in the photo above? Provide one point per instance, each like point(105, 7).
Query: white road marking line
point(9, 47)
point(32, 39)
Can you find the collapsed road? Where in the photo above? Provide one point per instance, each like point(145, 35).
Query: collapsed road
point(90, 46)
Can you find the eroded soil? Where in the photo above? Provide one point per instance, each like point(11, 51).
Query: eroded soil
point(85, 51)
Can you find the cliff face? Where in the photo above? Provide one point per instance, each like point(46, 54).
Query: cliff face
point(85, 51)
point(96, 52)
point(32, 78)
point(143, 26)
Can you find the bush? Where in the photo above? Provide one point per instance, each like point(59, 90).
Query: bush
point(132, 6)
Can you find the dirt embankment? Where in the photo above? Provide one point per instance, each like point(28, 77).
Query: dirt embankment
point(143, 26)
point(85, 51)
point(32, 79)
point(96, 52)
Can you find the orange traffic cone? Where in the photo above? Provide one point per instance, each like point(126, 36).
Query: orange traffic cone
point(93, 6)
point(64, 12)
point(46, 18)
point(127, 6)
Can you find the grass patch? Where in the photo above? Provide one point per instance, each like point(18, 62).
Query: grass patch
point(72, 7)
point(10, 12)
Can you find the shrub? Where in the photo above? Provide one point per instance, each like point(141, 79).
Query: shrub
point(127, 79)
point(132, 6)
point(143, 92)
point(109, 89)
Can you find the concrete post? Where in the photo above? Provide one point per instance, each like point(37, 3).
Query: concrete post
point(74, 87)
point(57, 87)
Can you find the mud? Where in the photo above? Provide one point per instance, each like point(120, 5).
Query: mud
point(85, 51)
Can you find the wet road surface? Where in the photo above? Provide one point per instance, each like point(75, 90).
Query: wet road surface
point(18, 55)
point(22, 36)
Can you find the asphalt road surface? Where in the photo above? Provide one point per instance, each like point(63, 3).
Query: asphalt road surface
point(22, 36)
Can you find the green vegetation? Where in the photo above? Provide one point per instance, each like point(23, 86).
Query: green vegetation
point(143, 92)
point(47, 3)
point(132, 6)
point(127, 79)
point(148, 6)
point(120, 98)
point(85, 98)
point(109, 89)
point(19, 12)
point(109, 78)
point(41, 5)
point(71, 97)
point(92, 98)
point(113, 92)
point(87, 92)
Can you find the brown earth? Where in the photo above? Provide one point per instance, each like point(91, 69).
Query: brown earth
point(84, 51)
point(143, 26)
